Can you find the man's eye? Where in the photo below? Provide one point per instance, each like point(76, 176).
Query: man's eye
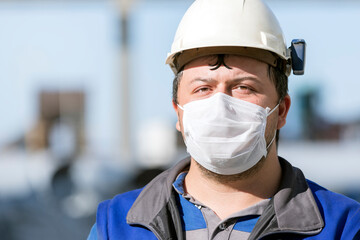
point(202, 90)
point(244, 89)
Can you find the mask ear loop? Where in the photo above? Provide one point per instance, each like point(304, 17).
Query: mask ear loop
point(269, 113)
point(180, 107)
point(272, 140)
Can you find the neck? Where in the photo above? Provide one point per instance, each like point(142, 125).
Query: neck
point(231, 194)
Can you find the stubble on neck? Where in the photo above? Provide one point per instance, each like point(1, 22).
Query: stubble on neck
point(226, 179)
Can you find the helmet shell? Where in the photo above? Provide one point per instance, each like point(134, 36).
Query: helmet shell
point(243, 27)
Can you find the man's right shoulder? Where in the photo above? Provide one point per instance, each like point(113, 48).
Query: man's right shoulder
point(111, 214)
point(111, 219)
point(122, 202)
point(120, 205)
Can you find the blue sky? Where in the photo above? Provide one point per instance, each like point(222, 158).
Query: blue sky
point(77, 46)
point(330, 29)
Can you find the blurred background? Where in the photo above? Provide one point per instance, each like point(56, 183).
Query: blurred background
point(85, 104)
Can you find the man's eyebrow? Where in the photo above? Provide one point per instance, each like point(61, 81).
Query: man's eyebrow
point(235, 80)
point(246, 78)
point(206, 80)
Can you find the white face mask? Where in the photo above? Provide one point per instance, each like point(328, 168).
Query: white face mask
point(224, 134)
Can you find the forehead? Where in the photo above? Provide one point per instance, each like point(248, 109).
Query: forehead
point(204, 67)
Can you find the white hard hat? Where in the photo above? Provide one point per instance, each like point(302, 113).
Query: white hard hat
point(243, 27)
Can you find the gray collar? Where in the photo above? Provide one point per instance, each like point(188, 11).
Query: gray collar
point(155, 195)
point(294, 204)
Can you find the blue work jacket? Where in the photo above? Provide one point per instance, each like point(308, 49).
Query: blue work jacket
point(300, 209)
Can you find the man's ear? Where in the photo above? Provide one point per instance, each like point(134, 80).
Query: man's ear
point(176, 108)
point(284, 107)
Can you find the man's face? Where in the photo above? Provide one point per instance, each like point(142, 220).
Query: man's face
point(248, 79)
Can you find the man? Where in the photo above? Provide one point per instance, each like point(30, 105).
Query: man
point(230, 96)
